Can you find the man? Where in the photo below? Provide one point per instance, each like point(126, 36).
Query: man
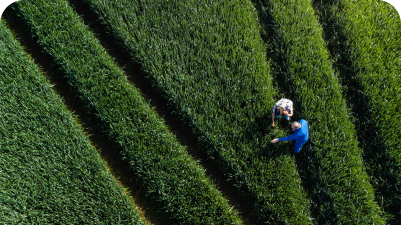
point(283, 107)
point(300, 136)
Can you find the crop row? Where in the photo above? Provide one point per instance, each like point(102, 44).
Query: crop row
point(172, 180)
point(49, 171)
point(207, 60)
point(368, 60)
point(338, 183)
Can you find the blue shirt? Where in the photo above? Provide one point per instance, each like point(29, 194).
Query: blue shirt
point(300, 136)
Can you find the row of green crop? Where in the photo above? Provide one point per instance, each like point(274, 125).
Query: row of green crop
point(340, 190)
point(368, 60)
point(207, 60)
point(49, 172)
point(176, 185)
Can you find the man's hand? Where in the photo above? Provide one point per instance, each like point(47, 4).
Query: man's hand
point(287, 113)
point(273, 124)
point(275, 140)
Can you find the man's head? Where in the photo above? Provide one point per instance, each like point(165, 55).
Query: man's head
point(279, 111)
point(295, 125)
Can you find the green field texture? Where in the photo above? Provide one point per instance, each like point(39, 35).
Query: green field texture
point(303, 69)
point(49, 171)
point(172, 180)
point(207, 60)
point(368, 59)
point(219, 67)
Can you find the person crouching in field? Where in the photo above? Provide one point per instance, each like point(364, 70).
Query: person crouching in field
point(283, 107)
point(300, 136)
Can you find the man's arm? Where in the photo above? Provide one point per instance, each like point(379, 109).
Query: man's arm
point(289, 138)
point(273, 119)
point(287, 114)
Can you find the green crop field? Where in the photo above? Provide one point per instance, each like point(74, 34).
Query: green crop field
point(50, 174)
point(217, 67)
point(170, 176)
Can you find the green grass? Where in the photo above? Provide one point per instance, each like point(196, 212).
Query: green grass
point(207, 60)
point(368, 60)
point(173, 182)
point(338, 182)
point(49, 171)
